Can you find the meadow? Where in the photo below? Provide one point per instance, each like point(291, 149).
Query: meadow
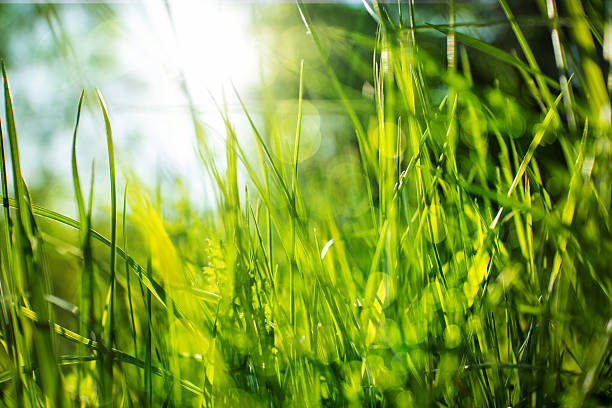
point(452, 251)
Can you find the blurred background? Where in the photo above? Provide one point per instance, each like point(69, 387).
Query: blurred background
point(160, 63)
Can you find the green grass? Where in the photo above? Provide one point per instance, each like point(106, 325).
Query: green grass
point(459, 257)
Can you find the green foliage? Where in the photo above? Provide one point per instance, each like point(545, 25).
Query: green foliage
point(454, 255)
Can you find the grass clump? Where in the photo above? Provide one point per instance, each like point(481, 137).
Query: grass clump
point(457, 257)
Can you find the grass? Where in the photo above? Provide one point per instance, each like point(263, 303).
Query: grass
point(458, 258)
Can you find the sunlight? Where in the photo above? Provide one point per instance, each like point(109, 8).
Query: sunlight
point(180, 52)
point(207, 41)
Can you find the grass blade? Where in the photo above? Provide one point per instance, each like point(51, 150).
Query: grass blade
point(110, 329)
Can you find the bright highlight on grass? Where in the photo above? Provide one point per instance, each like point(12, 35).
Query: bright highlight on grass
point(455, 254)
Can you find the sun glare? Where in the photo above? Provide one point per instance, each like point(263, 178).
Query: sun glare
point(207, 41)
point(181, 52)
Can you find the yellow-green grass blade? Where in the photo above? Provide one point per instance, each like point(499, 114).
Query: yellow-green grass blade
point(8, 288)
point(294, 189)
point(85, 278)
point(109, 329)
point(127, 271)
point(75, 173)
point(148, 384)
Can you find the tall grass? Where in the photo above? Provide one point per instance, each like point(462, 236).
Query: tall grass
point(469, 267)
